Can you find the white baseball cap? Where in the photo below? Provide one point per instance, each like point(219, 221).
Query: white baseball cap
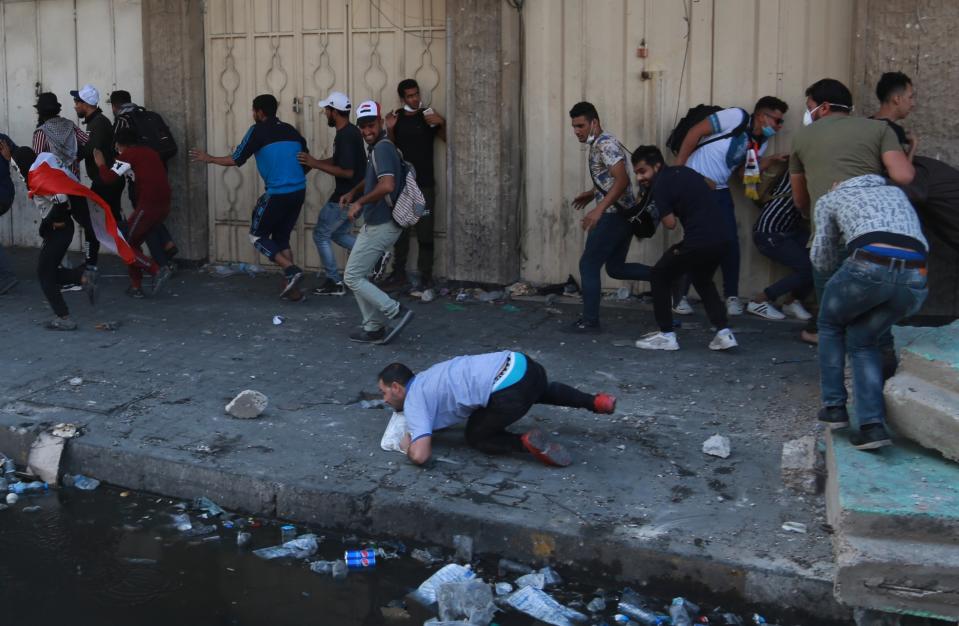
point(370, 108)
point(336, 100)
point(88, 93)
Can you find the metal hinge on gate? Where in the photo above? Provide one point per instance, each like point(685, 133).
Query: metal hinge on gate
point(296, 104)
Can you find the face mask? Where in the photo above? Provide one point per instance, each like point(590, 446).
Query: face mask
point(768, 131)
point(807, 116)
point(592, 136)
point(409, 109)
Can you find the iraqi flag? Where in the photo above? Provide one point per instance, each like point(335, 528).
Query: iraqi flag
point(47, 178)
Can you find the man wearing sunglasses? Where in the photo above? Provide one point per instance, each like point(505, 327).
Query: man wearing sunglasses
point(718, 146)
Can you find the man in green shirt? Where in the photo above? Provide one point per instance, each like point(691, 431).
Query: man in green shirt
point(834, 147)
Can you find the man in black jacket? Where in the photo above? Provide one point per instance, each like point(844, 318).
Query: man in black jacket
point(100, 137)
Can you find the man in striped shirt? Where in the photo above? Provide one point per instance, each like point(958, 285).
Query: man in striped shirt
point(781, 234)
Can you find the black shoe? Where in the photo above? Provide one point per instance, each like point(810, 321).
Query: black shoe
point(870, 437)
point(293, 277)
point(834, 416)
point(379, 270)
point(330, 288)
point(582, 326)
point(400, 320)
point(171, 252)
point(368, 336)
point(136, 293)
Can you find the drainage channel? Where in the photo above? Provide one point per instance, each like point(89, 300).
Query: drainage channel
point(110, 556)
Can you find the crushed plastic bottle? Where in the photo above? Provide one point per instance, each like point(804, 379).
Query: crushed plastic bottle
point(299, 548)
point(182, 522)
point(340, 570)
point(471, 600)
point(208, 506)
point(322, 567)
point(84, 483)
point(425, 594)
point(243, 539)
point(631, 605)
point(32, 487)
point(596, 605)
point(540, 605)
point(682, 612)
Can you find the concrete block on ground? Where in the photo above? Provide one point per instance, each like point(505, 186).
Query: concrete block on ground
point(800, 461)
point(44, 459)
point(924, 412)
point(896, 518)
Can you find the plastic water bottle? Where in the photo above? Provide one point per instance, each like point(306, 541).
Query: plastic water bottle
point(630, 604)
point(85, 483)
point(35, 486)
point(679, 613)
point(9, 467)
point(287, 533)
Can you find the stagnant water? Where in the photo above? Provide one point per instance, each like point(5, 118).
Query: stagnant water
point(111, 557)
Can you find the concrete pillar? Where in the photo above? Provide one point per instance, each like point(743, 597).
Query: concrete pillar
point(484, 133)
point(174, 86)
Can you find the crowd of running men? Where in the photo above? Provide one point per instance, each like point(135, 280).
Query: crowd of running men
point(863, 252)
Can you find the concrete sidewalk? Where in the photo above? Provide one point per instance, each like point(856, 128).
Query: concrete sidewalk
point(641, 501)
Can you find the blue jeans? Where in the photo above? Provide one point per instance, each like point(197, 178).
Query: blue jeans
point(607, 244)
point(332, 225)
point(860, 304)
point(790, 250)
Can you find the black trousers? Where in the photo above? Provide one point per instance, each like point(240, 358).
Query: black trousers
point(81, 213)
point(56, 242)
point(700, 264)
point(424, 238)
point(486, 427)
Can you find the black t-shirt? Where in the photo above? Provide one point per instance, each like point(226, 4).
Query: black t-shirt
point(349, 152)
point(683, 192)
point(414, 138)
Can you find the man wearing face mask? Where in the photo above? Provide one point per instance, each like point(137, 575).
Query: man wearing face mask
point(717, 146)
point(347, 166)
point(608, 234)
point(833, 147)
point(414, 129)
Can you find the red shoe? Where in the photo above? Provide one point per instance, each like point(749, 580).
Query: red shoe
point(604, 403)
point(546, 451)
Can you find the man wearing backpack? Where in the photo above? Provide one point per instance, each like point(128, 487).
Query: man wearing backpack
point(383, 184)
point(717, 146)
point(153, 132)
point(608, 233)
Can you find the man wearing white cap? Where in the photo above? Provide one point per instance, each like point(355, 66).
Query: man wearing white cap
point(383, 317)
point(348, 167)
point(86, 102)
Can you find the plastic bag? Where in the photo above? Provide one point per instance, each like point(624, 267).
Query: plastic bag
point(394, 433)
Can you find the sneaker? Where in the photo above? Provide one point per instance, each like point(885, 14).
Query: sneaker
point(62, 323)
point(797, 310)
point(658, 341)
point(870, 437)
point(330, 288)
point(293, 277)
point(400, 320)
point(294, 295)
point(724, 340)
point(604, 403)
point(583, 326)
point(8, 284)
point(734, 306)
point(428, 295)
point(546, 451)
point(162, 276)
point(765, 310)
point(136, 293)
point(368, 336)
point(682, 307)
point(379, 270)
point(71, 287)
point(834, 416)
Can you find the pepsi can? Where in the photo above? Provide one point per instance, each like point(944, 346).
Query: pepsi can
point(360, 559)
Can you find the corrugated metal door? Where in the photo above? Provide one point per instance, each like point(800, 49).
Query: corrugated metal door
point(299, 50)
point(58, 45)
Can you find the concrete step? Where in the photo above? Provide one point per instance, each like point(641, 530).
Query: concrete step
point(895, 513)
point(924, 412)
point(931, 354)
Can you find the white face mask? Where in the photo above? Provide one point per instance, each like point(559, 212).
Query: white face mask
point(591, 137)
point(409, 109)
point(807, 116)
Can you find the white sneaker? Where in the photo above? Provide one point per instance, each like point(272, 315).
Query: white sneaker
point(734, 306)
point(658, 341)
point(724, 340)
point(682, 307)
point(765, 309)
point(797, 310)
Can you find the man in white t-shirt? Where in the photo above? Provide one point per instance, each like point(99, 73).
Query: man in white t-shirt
point(488, 391)
point(716, 147)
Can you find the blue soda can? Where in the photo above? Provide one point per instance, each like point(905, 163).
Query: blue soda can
point(360, 559)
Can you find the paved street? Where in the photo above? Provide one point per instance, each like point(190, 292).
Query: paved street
point(641, 499)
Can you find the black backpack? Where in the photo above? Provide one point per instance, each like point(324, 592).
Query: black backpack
point(153, 131)
point(694, 116)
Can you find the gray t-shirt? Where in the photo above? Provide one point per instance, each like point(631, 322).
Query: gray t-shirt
point(383, 160)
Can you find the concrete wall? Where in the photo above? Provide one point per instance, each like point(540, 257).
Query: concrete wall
point(484, 215)
point(174, 87)
point(917, 37)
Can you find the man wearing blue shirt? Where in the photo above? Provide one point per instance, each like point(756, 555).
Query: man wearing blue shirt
point(274, 145)
point(383, 317)
point(8, 280)
point(488, 391)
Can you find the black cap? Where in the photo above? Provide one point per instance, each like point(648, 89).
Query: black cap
point(120, 96)
point(47, 103)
